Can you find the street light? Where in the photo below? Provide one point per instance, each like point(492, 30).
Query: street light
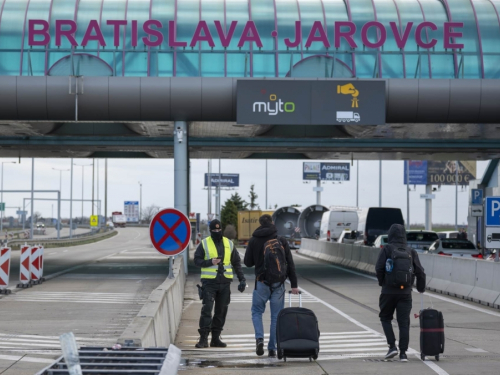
point(1, 197)
point(60, 177)
point(83, 179)
point(140, 202)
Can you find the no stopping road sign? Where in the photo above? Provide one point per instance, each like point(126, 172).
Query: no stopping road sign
point(170, 232)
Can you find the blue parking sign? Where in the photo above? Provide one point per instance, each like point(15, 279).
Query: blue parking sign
point(476, 196)
point(492, 211)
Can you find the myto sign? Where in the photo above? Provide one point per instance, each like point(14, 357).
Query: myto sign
point(307, 102)
point(373, 34)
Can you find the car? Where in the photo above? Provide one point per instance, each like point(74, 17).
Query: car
point(448, 234)
point(455, 247)
point(420, 240)
point(110, 224)
point(348, 236)
point(40, 225)
point(381, 241)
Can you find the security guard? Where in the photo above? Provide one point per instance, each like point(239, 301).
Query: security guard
point(217, 258)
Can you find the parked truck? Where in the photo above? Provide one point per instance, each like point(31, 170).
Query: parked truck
point(347, 116)
point(248, 221)
point(119, 219)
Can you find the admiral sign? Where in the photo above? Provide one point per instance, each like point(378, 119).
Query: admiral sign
point(224, 179)
point(326, 171)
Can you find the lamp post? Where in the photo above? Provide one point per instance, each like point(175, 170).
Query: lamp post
point(60, 177)
point(1, 198)
point(140, 202)
point(83, 179)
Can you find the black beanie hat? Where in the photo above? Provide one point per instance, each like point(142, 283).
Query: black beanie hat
point(215, 224)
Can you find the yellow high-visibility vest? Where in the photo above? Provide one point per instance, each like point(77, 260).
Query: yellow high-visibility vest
point(211, 252)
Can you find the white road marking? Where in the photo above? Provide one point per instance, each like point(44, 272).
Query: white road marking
point(476, 350)
point(52, 253)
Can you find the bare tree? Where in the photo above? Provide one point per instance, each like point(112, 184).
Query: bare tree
point(149, 212)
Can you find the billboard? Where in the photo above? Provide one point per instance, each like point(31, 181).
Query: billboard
point(131, 211)
point(437, 172)
point(326, 171)
point(225, 179)
point(303, 102)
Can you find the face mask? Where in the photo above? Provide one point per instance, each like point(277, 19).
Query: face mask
point(216, 235)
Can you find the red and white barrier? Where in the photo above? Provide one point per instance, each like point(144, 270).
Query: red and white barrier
point(5, 253)
point(42, 250)
point(198, 238)
point(35, 264)
point(24, 271)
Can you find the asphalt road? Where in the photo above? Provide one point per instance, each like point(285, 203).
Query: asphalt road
point(96, 292)
point(346, 304)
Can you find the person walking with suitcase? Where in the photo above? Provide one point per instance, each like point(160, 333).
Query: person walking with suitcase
point(273, 263)
point(219, 260)
point(396, 268)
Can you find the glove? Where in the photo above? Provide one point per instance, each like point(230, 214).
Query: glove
point(242, 286)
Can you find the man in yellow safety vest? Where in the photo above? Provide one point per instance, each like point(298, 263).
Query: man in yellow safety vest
point(219, 260)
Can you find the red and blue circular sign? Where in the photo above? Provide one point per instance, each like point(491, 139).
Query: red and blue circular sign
point(170, 232)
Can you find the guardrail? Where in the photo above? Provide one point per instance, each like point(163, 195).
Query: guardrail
point(53, 242)
point(157, 323)
point(469, 279)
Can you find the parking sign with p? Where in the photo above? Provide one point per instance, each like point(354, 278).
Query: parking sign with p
point(476, 196)
point(492, 211)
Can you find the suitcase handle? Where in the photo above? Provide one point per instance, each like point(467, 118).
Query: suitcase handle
point(290, 298)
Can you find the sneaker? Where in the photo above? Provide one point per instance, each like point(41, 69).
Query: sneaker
point(393, 351)
point(403, 357)
point(259, 347)
point(272, 353)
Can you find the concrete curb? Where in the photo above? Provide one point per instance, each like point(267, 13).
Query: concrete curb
point(470, 279)
point(157, 322)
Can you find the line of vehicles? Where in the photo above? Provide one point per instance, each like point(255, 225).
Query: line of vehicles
point(364, 226)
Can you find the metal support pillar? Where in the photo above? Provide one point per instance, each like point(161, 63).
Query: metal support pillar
point(209, 187)
point(181, 178)
point(32, 195)
point(357, 183)
point(71, 203)
point(59, 215)
point(407, 195)
point(318, 192)
point(380, 183)
point(456, 195)
point(267, 207)
point(106, 189)
point(428, 208)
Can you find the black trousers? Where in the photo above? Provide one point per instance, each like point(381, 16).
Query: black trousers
point(401, 303)
point(220, 296)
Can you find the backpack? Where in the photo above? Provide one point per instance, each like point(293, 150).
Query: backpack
point(401, 276)
point(275, 266)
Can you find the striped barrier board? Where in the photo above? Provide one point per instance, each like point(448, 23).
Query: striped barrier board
point(35, 261)
point(24, 267)
point(5, 253)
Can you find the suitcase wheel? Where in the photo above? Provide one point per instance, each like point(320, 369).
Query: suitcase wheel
point(315, 356)
point(280, 354)
point(310, 359)
point(437, 358)
point(422, 357)
point(284, 359)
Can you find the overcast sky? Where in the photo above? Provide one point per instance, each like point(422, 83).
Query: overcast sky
point(285, 186)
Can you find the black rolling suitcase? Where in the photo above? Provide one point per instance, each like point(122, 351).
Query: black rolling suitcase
point(431, 332)
point(297, 332)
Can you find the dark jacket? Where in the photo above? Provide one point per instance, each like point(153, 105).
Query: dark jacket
point(397, 239)
point(254, 255)
point(199, 261)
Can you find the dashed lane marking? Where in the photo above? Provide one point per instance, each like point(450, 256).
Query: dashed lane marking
point(76, 297)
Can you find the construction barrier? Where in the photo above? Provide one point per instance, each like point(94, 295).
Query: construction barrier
point(42, 250)
point(470, 279)
point(35, 263)
point(5, 253)
point(24, 267)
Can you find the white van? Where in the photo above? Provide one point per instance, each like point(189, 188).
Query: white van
point(333, 223)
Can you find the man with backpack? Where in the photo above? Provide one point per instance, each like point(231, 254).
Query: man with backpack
point(273, 263)
point(396, 268)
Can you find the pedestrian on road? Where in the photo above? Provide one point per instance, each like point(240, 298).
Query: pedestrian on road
point(219, 260)
point(273, 263)
point(396, 268)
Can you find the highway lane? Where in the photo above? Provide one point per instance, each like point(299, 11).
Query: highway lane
point(98, 289)
point(352, 342)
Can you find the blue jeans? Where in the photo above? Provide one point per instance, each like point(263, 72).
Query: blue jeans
point(261, 295)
